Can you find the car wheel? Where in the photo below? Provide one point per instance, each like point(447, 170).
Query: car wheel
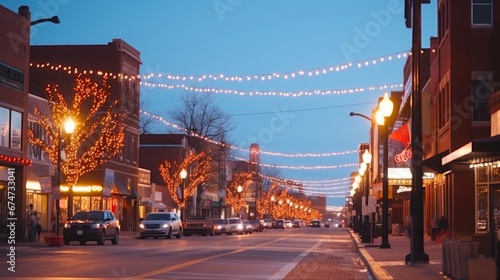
point(179, 234)
point(211, 233)
point(116, 238)
point(101, 239)
point(83, 242)
point(142, 237)
point(169, 234)
point(66, 241)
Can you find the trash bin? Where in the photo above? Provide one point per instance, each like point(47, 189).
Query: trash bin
point(396, 230)
point(464, 251)
point(446, 255)
point(366, 232)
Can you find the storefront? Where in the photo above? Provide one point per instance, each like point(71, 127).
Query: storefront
point(483, 157)
point(38, 193)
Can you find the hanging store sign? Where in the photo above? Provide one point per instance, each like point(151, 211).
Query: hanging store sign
point(404, 156)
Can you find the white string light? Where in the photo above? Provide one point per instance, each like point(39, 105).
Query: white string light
point(165, 122)
point(274, 93)
point(277, 75)
point(301, 167)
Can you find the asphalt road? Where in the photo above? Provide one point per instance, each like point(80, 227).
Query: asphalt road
point(272, 254)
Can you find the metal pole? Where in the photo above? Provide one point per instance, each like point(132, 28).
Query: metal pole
point(183, 211)
point(417, 253)
point(58, 180)
point(385, 191)
point(367, 193)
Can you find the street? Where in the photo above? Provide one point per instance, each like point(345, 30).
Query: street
point(272, 254)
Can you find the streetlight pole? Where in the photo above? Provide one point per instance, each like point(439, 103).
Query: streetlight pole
point(271, 208)
point(239, 189)
point(417, 253)
point(183, 175)
point(69, 127)
point(384, 112)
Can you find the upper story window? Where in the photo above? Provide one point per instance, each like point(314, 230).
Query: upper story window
point(482, 12)
point(10, 128)
point(481, 92)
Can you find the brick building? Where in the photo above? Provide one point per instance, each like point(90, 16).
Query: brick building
point(116, 181)
point(14, 77)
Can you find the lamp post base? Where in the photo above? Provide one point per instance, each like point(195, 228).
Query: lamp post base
point(385, 245)
point(417, 257)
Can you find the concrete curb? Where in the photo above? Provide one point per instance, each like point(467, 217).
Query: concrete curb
point(373, 267)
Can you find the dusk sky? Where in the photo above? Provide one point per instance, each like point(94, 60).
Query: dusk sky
point(248, 38)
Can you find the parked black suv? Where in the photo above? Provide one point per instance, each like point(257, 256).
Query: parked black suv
point(92, 225)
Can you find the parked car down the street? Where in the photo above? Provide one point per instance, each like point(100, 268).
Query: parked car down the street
point(221, 226)
point(288, 224)
point(236, 225)
point(315, 223)
point(280, 223)
point(257, 225)
point(247, 227)
point(92, 225)
point(267, 223)
point(161, 224)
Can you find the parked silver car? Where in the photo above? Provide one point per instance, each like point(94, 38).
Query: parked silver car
point(236, 225)
point(221, 226)
point(161, 224)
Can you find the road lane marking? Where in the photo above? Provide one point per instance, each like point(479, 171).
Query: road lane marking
point(291, 265)
point(184, 264)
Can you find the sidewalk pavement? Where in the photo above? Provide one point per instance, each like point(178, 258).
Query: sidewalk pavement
point(390, 263)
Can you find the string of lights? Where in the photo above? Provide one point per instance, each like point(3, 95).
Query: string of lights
point(295, 187)
point(165, 122)
point(278, 75)
point(230, 78)
point(273, 93)
point(302, 167)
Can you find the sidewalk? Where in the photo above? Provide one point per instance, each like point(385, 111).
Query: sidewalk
point(390, 263)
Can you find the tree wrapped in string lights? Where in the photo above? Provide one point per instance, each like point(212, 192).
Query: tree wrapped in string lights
point(264, 202)
point(233, 196)
point(98, 133)
point(170, 173)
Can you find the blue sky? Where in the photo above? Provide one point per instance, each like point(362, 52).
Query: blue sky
point(243, 37)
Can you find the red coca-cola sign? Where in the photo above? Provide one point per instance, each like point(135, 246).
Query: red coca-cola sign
point(404, 156)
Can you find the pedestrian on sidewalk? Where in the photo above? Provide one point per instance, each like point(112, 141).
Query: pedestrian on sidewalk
point(443, 227)
point(31, 227)
point(38, 224)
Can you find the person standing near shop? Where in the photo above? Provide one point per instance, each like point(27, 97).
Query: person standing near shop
point(31, 227)
point(38, 225)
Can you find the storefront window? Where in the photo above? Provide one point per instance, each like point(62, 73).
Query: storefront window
point(4, 127)
point(482, 209)
point(495, 174)
point(482, 174)
point(15, 131)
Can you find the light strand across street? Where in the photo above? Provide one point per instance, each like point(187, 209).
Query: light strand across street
point(272, 92)
point(278, 75)
point(165, 122)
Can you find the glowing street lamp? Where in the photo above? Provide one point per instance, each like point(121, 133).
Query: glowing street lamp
point(69, 127)
point(183, 176)
point(385, 111)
